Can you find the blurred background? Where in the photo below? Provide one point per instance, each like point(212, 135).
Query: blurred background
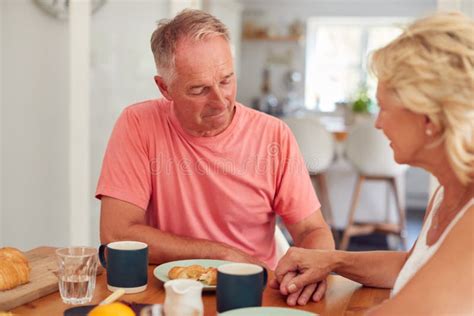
point(68, 68)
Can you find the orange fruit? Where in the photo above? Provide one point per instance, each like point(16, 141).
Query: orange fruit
point(113, 309)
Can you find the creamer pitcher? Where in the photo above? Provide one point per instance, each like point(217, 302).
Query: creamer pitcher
point(183, 298)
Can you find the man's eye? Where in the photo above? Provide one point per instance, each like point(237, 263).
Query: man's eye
point(198, 91)
point(226, 81)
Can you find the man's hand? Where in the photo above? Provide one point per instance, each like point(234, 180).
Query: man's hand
point(301, 274)
point(313, 291)
point(310, 233)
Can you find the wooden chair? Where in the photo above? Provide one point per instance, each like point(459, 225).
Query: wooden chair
point(281, 243)
point(318, 149)
point(369, 152)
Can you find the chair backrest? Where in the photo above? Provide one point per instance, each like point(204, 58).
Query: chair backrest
point(369, 151)
point(281, 243)
point(315, 142)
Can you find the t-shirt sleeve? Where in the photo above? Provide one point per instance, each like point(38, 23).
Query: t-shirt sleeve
point(295, 197)
point(126, 173)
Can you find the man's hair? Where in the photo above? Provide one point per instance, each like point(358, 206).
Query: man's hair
point(431, 68)
point(191, 24)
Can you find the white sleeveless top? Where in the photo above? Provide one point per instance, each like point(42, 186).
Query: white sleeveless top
point(421, 252)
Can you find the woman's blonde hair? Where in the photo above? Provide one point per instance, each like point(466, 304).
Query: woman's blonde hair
point(193, 24)
point(431, 68)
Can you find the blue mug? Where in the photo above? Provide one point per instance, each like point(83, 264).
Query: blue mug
point(240, 285)
point(126, 263)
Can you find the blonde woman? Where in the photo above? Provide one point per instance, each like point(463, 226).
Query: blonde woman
point(426, 98)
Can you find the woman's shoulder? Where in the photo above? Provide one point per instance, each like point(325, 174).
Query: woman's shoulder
point(458, 243)
point(444, 284)
point(462, 230)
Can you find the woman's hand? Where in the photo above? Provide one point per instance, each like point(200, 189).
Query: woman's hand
point(300, 267)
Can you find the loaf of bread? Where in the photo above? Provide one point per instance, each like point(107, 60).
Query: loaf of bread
point(195, 272)
point(14, 268)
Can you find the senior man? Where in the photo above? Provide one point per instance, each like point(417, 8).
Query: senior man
point(196, 174)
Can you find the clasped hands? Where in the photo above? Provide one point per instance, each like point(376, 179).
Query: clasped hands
point(301, 275)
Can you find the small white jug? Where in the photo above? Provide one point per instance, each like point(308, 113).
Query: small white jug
point(183, 298)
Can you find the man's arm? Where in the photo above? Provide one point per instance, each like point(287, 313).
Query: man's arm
point(313, 233)
point(120, 220)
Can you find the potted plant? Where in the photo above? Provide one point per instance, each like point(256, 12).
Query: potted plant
point(363, 104)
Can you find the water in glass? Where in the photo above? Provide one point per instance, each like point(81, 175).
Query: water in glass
point(77, 268)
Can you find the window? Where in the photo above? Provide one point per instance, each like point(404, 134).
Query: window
point(336, 57)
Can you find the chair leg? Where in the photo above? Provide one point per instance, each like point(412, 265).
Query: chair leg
point(321, 182)
point(355, 200)
point(388, 193)
point(401, 213)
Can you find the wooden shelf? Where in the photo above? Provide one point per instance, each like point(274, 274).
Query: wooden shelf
point(289, 38)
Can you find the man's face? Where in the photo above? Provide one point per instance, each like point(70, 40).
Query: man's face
point(204, 87)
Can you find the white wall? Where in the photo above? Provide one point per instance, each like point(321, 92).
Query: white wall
point(79, 122)
point(467, 7)
point(122, 70)
point(177, 6)
point(279, 13)
point(34, 125)
point(230, 13)
point(1, 110)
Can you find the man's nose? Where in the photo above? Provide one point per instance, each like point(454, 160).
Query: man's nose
point(217, 96)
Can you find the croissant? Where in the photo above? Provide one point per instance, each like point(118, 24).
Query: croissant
point(210, 277)
point(195, 272)
point(14, 268)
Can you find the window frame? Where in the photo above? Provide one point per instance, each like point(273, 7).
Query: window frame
point(365, 22)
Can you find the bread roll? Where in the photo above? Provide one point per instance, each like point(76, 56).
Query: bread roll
point(210, 277)
point(177, 273)
point(14, 268)
point(194, 272)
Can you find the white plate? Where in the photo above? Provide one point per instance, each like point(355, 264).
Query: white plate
point(267, 311)
point(161, 271)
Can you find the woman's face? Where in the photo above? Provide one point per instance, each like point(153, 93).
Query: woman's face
point(405, 129)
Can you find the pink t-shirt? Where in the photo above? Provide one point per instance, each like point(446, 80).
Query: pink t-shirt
point(226, 188)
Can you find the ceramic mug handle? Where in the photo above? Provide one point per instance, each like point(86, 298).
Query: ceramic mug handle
point(265, 278)
point(102, 256)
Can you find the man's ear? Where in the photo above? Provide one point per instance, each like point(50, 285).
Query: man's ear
point(163, 86)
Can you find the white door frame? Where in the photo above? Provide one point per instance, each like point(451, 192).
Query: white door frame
point(79, 122)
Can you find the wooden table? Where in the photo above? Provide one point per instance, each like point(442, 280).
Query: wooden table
point(344, 297)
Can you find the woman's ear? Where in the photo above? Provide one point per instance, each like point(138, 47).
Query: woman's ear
point(163, 86)
point(431, 129)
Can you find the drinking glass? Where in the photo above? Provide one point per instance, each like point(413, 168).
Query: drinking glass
point(77, 267)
